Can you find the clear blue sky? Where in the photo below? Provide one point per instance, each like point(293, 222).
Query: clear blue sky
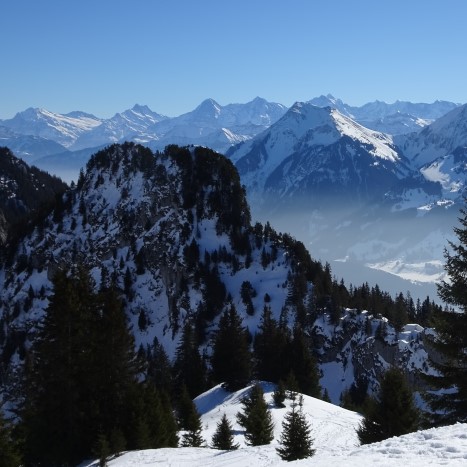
point(103, 56)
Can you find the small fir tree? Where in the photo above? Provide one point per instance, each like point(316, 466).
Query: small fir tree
point(256, 418)
point(189, 420)
point(223, 437)
point(296, 442)
point(102, 449)
point(279, 395)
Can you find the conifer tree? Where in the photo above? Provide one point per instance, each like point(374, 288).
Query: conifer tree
point(159, 367)
point(55, 423)
point(256, 418)
point(84, 379)
point(296, 442)
point(231, 358)
point(269, 347)
point(279, 395)
point(189, 368)
point(303, 364)
point(451, 335)
point(189, 420)
point(223, 437)
point(393, 414)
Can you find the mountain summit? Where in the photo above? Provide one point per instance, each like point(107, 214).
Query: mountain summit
point(315, 151)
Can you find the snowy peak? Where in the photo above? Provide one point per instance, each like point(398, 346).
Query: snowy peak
point(330, 101)
point(63, 129)
point(316, 152)
point(208, 109)
point(305, 126)
point(325, 125)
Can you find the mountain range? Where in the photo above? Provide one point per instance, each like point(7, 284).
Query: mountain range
point(62, 144)
point(322, 170)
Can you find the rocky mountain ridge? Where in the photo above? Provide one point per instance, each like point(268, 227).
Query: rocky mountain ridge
point(172, 231)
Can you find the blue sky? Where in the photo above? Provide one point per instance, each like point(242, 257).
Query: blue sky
point(103, 56)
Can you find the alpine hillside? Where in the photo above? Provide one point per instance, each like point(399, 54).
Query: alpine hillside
point(171, 233)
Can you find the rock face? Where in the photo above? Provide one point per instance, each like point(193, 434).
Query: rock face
point(358, 350)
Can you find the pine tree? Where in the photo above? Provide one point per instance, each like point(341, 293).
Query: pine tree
point(231, 359)
point(393, 414)
point(256, 418)
point(451, 335)
point(296, 442)
point(223, 438)
point(102, 449)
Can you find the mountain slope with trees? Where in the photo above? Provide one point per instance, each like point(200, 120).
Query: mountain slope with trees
point(24, 190)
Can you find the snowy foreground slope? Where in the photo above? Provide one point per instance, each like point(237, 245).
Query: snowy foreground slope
point(335, 440)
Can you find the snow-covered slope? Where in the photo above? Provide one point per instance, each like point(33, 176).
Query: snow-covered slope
point(333, 430)
point(332, 426)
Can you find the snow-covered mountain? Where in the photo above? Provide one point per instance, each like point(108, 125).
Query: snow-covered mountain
point(314, 152)
point(148, 212)
point(302, 158)
point(63, 129)
point(216, 126)
point(37, 134)
point(332, 430)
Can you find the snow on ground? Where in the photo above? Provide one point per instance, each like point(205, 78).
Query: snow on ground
point(333, 430)
point(446, 446)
